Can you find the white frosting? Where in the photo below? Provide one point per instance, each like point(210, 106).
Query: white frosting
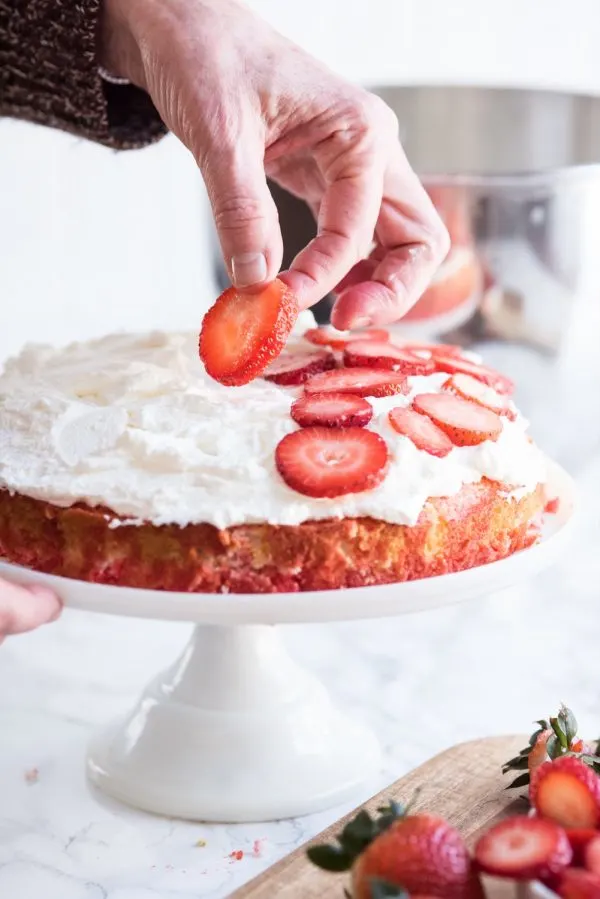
point(133, 423)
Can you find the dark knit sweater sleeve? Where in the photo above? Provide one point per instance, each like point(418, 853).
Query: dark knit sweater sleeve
point(49, 74)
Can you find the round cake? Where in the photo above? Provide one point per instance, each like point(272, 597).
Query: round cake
point(122, 462)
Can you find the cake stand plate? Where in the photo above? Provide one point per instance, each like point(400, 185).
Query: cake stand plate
point(234, 730)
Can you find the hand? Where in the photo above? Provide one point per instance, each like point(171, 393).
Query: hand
point(25, 608)
point(250, 104)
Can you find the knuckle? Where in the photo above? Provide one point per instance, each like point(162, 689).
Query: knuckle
point(381, 113)
point(237, 212)
point(365, 111)
point(373, 113)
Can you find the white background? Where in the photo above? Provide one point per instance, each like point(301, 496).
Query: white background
point(92, 240)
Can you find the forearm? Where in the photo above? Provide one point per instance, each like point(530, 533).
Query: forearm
point(49, 74)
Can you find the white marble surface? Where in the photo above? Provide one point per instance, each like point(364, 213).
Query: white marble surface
point(423, 682)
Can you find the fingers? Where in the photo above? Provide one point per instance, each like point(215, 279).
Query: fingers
point(413, 241)
point(25, 608)
point(362, 271)
point(352, 160)
point(244, 211)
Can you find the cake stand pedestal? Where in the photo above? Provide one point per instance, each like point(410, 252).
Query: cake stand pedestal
point(234, 730)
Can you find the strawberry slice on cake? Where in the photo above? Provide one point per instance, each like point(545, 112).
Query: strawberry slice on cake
point(328, 463)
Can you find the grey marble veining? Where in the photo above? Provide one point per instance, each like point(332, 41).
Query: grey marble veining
point(423, 682)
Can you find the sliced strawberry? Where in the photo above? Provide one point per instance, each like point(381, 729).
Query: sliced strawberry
point(332, 410)
point(524, 849)
point(360, 381)
point(338, 340)
point(465, 423)
point(454, 365)
point(578, 884)
point(567, 791)
point(291, 369)
point(579, 837)
point(381, 354)
point(242, 333)
point(328, 462)
point(471, 388)
point(421, 430)
point(445, 349)
point(592, 855)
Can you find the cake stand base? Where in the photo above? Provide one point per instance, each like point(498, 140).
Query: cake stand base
point(233, 731)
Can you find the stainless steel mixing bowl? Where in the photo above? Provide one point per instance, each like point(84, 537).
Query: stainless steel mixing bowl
point(523, 167)
point(517, 173)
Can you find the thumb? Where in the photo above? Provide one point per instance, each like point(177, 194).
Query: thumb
point(244, 212)
point(25, 608)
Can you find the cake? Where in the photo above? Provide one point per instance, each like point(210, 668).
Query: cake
point(123, 462)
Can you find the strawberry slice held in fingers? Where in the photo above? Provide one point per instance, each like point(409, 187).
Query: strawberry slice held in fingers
point(331, 462)
point(243, 332)
point(421, 430)
point(339, 340)
point(575, 883)
point(524, 848)
point(291, 369)
point(331, 410)
point(381, 354)
point(465, 423)
point(359, 381)
point(454, 365)
point(567, 791)
point(469, 388)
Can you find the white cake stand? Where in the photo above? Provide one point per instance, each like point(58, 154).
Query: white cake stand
point(234, 730)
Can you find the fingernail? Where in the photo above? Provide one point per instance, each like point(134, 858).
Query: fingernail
point(248, 269)
point(363, 322)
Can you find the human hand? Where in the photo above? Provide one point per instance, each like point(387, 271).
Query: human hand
point(25, 608)
point(250, 104)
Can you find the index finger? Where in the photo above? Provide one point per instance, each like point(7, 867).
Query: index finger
point(353, 166)
point(414, 242)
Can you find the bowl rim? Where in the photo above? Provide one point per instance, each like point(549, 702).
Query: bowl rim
point(566, 174)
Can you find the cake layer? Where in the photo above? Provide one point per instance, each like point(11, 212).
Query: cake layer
point(478, 525)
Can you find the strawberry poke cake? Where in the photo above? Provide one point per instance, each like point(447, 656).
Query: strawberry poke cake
point(295, 458)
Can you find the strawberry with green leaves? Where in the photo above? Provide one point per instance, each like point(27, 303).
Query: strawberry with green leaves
point(397, 855)
point(553, 739)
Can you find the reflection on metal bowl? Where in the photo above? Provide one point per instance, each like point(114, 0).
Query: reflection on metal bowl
point(516, 176)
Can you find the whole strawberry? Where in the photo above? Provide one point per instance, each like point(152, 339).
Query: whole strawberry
point(398, 854)
point(552, 740)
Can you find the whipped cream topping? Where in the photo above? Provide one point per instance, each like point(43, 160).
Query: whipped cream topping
point(133, 423)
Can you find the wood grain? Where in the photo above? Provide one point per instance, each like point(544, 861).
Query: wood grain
point(464, 785)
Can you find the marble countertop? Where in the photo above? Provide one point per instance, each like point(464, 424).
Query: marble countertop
point(423, 682)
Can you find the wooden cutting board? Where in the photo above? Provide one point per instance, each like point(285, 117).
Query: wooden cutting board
point(465, 785)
